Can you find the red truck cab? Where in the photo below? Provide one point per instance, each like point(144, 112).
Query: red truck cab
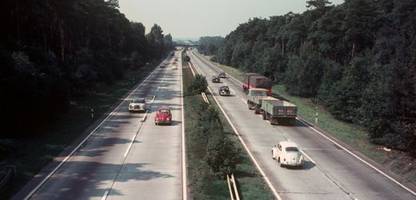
point(254, 80)
point(163, 115)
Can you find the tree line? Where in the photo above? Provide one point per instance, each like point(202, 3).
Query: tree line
point(53, 51)
point(358, 59)
point(209, 45)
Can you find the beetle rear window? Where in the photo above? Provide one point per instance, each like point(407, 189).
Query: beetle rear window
point(164, 111)
point(292, 149)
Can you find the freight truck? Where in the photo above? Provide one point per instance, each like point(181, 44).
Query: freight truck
point(254, 80)
point(278, 111)
point(254, 98)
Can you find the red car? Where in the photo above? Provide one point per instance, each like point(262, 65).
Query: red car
point(163, 116)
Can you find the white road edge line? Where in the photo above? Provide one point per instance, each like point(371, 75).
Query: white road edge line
point(244, 101)
point(132, 142)
point(184, 180)
point(105, 195)
point(359, 158)
point(354, 155)
point(147, 110)
point(246, 148)
point(33, 191)
point(309, 158)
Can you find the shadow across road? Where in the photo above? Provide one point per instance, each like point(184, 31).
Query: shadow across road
point(85, 180)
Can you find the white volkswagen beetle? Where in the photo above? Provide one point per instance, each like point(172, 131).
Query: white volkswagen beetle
point(138, 105)
point(287, 154)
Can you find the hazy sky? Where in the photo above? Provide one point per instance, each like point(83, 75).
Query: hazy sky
point(195, 18)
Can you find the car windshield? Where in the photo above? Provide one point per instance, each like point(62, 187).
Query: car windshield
point(138, 101)
point(292, 149)
point(164, 111)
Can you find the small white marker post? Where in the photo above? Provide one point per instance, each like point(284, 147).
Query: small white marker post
point(92, 113)
point(316, 117)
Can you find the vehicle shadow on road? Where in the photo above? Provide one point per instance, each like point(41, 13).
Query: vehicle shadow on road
point(307, 165)
point(296, 123)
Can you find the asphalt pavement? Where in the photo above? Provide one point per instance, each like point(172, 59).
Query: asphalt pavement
point(127, 156)
point(330, 172)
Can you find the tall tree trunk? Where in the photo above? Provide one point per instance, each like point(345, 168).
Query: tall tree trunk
point(17, 14)
point(62, 39)
point(353, 50)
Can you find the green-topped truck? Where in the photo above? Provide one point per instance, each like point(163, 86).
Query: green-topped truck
point(278, 111)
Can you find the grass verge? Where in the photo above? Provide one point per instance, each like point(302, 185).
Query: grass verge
point(355, 136)
point(30, 155)
point(250, 183)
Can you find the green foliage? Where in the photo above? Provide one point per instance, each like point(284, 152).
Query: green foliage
point(357, 58)
point(303, 76)
point(55, 51)
point(222, 155)
point(199, 84)
point(211, 152)
point(210, 45)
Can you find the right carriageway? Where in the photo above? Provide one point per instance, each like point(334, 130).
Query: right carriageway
point(330, 172)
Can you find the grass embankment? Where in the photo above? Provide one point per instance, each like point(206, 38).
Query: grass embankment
point(203, 183)
point(355, 136)
point(30, 155)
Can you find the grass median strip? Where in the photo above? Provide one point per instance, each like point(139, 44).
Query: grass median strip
point(201, 129)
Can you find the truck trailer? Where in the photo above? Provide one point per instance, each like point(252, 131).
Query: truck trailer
point(278, 111)
point(255, 97)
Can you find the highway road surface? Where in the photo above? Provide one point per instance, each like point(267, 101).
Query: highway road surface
point(125, 158)
point(330, 172)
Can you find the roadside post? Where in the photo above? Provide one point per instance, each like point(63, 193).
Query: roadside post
point(92, 113)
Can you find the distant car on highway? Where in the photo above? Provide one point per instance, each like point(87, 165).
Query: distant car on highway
point(215, 79)
point(222, 75)
point(138, 105)
point(163, 116)
point(287, 154)
point(224, 91)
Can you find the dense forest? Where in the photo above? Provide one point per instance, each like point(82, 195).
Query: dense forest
point(52, 51)
point(209, 45)
point(358, 59)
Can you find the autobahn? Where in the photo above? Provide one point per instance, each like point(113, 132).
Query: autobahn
point(126, 156)
point(330, 172)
